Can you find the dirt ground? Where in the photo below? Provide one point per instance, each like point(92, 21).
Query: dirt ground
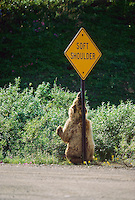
point(55, 182)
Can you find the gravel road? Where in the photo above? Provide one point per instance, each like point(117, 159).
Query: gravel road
point(54, 182)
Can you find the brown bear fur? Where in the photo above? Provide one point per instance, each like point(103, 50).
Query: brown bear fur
point(72, 134)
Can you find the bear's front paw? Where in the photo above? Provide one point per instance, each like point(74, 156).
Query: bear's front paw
point(59, 130)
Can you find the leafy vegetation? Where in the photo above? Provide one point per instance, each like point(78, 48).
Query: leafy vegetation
point(28, 119)
point(114, 130)
point(28, 122)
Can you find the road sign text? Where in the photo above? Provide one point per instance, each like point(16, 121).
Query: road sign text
point(82, 56)
point(82, 45)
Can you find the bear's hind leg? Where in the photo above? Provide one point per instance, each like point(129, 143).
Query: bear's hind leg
point(73, 158)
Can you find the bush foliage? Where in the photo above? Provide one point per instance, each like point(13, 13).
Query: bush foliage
point(114, 129)
point(28, 119)
point(28, 122)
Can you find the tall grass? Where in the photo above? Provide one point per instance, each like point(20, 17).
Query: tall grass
point(29, 118)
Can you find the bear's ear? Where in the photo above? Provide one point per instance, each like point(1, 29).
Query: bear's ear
point(74, 107)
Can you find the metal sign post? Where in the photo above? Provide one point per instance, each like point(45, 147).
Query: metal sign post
point(83, 121)
point(83, 54)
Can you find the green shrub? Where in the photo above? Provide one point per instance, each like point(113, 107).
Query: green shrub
point(114, 129)
point(28, 122)
point(28, 119)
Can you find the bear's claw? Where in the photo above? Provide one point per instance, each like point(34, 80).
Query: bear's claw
point(59, 130)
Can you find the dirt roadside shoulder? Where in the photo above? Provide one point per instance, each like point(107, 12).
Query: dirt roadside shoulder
point(66, 182)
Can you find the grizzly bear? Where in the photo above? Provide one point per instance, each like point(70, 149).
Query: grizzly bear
point(72, 134)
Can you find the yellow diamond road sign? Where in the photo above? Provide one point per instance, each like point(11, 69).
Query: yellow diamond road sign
point(82, 53)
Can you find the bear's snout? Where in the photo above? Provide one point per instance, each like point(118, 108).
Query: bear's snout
point(79, 95)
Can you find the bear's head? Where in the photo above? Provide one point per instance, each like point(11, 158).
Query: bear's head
point(75, 111)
